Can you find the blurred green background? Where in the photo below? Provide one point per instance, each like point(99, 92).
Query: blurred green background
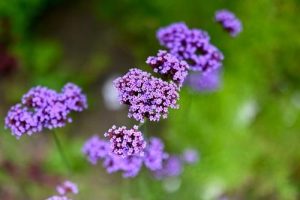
point(247, 132)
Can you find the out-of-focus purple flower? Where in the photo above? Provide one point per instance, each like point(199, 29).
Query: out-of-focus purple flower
point(21, 121)
point(73, 97)
point(171, 167)
point(204, 82)
point(191, 45)
point(95, 149)
point(146, 96)
point(42, 108)
point(66, 188)
point(190, 156)
point(55, 197)
point(169, 66)
point(129, 166)
point(126, 142)
point(154, 154)
point(229, 22)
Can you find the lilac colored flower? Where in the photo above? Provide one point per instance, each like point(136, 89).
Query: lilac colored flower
point(204, 82)
point(95, 149)
point(190, 156)
point(21, 121)
point(171, 167)
point(42, 108)
point(58, 198)
point(229, 22)
point(129, 166)
point(126, 142)
point(39, 97)
point(67, 187)
point(73, 97)
point(146, 96)
point(191, 45)
point(169, 66)
point(154, 154)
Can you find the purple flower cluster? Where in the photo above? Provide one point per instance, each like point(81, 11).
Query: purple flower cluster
point(44, 108)
point(169, 66)
point(190, 156)
point(126, 142)
point(67, 187)
point(95, 149)
point(229, 22)
point(171, 167)
point(191, 45)
point(155, 154)
point(204, 82)
point(63, 190)
point(146, 96)
point(130, 165)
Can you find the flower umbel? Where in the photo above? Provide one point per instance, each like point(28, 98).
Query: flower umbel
point(126, 142)
point(191, 45)
point(229, 22)
point(168, 66)
point(42, 107)
point(146, 96)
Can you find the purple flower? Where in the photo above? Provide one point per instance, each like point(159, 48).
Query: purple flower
point(126, 142)
point(67, 187)
point(73, 97)
point(191, 45)
point(154, 154)
point(95, 149)
point(42, 108)
point(58, 198)
point(204, 82)
point(229, 22)
point(190, 156)
point(171, 167)
point(130, 165)
point(146, 96)
point(21, 121)
point(169, 66)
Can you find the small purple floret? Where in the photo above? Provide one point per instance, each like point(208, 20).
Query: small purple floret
point(190, 156)
point(171, 167)
point(95, 149)
point(204, 82)
point(155, 154)
point(169, 66)
point(66, 188)
point(229, 22)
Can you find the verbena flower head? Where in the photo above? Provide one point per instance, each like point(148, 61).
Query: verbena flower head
point(204, 82)
point(66, 188)
point(171, 167)
point(190, 156)
point(55, 197)
point(146, 96)
point(129, 166)
point(95, 149)
point(22, 121)
point(191, 45)
point(169, 66)
point(73, 97)
point(229, 22)
point(42, 108)
point(154, 154)
point(126, 142)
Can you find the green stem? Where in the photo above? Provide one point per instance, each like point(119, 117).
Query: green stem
point(61, 152)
